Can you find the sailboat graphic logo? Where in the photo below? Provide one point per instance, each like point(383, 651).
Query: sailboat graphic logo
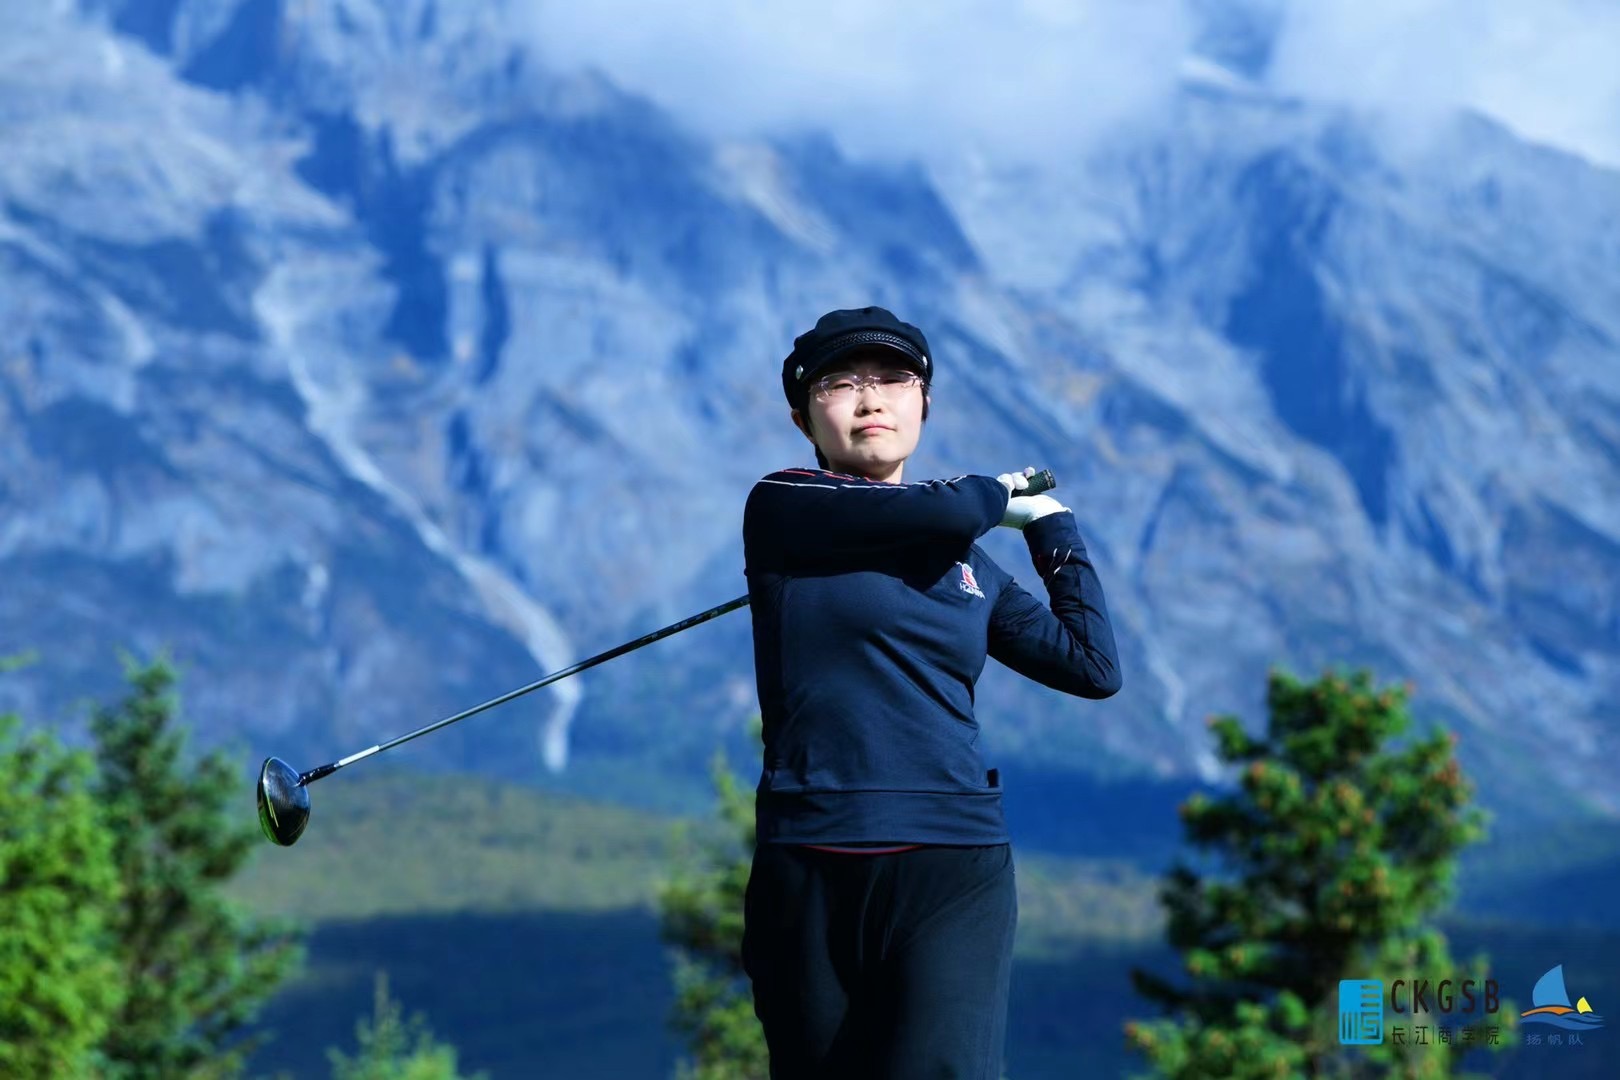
point(1552, 1005)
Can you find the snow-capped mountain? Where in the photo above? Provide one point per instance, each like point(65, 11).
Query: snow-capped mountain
point(378, 370)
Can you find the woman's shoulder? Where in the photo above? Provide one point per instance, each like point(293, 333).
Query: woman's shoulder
point(798, 476)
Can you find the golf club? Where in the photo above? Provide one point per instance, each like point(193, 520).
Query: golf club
point(283, 792)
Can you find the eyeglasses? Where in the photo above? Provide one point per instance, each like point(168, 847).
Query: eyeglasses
point(844, 385)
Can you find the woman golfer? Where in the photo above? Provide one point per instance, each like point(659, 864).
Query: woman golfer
point(880, 907)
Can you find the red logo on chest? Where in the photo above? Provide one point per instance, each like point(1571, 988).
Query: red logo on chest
point(969, 584)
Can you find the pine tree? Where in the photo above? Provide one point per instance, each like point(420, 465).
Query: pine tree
point(392, 1048)
point(1324, 865)
point(702, 917)
point(196, 967)
point(59, 989)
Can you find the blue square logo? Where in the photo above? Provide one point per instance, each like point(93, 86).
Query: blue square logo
point(1361, 1012)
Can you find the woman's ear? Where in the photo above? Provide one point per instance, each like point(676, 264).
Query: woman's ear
point(801, 422)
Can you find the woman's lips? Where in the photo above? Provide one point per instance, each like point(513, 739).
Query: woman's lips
point(870, 428)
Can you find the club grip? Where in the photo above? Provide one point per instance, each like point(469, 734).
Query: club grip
point(1041, 481)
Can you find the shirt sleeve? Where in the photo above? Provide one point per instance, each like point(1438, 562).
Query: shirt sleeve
point(1069, 647)
point(795, 515)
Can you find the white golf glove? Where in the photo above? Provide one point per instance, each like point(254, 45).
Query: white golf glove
point(1025, 508)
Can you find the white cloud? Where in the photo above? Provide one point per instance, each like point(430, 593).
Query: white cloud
point(1039, 79)
point(1028, 79)
point(1548, 69)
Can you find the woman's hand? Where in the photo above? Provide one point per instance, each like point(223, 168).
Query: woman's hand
point(1025, 508)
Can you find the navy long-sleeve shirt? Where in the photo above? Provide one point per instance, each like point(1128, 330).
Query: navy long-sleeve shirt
point(874, 611)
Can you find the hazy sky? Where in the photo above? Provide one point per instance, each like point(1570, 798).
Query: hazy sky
point(1548, 69)
point(1036, 78)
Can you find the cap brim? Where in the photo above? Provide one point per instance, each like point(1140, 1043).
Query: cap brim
point(890, 345)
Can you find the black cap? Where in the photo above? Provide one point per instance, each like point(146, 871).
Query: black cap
point(839, 333)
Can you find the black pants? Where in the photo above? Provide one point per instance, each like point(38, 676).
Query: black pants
point(889, 967)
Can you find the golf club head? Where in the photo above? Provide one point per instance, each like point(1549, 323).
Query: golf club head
point(283, 802)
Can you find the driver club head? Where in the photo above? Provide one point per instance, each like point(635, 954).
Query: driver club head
point(283, 802)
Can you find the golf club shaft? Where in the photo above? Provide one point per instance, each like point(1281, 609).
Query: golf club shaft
point(619, 650)
point(1041, 481)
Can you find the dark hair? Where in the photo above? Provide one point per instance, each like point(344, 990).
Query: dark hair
point(821, 459)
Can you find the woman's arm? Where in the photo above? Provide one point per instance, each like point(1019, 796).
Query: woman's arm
point(799, 514)
point(1069, 647)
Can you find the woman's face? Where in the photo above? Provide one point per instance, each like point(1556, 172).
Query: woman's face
point(870, 432)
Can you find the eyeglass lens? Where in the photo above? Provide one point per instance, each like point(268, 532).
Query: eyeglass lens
point(886, 383)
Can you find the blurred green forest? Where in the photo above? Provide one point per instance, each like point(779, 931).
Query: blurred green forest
point(521, 928)
point(122, 958)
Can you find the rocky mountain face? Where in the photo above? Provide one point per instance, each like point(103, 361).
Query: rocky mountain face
point(374, 370)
